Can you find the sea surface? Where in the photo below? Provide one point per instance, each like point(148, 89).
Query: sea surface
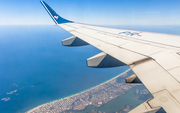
point(34, 62)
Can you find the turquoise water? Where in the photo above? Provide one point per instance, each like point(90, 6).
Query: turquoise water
point(33, 61)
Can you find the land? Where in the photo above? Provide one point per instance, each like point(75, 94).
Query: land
point(143, 91)
point(96, 96)
point(5, 99)
point(143, 94)
point(11, 92)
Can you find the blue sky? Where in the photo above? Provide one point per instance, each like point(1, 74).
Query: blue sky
point(99, 12)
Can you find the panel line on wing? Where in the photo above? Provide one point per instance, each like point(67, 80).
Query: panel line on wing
point(117, 36)
point(102, 45)
point(109, 43)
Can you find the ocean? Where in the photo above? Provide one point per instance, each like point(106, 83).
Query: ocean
point(34, 62)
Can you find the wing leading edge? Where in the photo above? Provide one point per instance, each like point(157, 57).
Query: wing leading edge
point(154, 58)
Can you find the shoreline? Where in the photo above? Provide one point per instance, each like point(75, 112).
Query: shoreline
point(79, 92)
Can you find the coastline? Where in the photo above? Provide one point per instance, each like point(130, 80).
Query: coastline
point(85, 91)
point(27, 72)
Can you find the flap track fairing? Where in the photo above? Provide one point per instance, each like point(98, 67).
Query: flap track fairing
point(74, 41)
point(133, 79)
point(103, 60)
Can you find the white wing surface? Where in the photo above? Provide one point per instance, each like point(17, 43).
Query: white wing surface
point(154, 58)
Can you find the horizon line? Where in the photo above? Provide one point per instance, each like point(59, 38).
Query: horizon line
point(104, 24)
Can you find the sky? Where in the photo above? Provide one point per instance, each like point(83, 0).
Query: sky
point(97, 12)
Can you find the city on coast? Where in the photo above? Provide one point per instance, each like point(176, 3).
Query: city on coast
point(96, 96)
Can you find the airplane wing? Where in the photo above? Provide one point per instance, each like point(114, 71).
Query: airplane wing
point(154, 58)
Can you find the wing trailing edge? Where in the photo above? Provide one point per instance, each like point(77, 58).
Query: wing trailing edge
point(145, 108)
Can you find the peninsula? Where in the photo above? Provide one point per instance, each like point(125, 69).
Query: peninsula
point(95, 96)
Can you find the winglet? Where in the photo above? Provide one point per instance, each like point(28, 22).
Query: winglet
point(56, 18)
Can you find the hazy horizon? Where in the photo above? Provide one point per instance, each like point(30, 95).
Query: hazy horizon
point(97, 12)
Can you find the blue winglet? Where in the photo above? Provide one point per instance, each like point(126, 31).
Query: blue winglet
point(56, 18)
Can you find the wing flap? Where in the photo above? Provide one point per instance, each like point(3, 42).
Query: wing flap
point(150, 72)
point(170, 61)
point(145, 108)
point(166, 100)
point(160, 84)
